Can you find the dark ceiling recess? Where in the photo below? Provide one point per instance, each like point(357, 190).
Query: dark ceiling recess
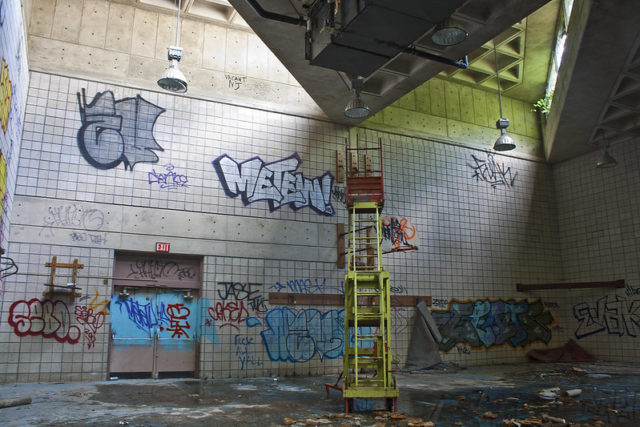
point(368, 33)
point(360, 36)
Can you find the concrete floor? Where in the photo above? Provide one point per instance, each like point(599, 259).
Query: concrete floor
point(474, 396)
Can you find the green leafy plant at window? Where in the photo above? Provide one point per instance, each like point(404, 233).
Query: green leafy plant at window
point(543, 105)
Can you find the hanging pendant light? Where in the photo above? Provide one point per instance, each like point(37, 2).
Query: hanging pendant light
point(504, 141)
point(356, 108)
point(173, 79)
point(606, 160)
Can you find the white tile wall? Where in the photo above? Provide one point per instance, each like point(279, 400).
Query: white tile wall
point(475, 241)
point(599, 223)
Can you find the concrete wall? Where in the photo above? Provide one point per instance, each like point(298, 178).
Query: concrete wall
point(462, 114)
point(14, 82)
point(120, 43)
point(481, 222)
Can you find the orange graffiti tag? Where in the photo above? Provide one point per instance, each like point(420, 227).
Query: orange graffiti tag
point(99, 306)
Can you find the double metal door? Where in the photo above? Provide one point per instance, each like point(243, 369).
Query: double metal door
point(153, 332)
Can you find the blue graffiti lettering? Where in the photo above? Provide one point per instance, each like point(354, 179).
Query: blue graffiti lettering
point(167, 180)
point(144, 316)
point(243, 353)
point(308, 286)
point(298, 336)
point(485, 323)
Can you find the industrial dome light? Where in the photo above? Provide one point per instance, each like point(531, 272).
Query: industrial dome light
point(356, 108)
point(448, 33)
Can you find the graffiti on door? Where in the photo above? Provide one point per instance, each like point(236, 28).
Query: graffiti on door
point(166, 315)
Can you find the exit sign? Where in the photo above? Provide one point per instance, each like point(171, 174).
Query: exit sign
point(162, 247)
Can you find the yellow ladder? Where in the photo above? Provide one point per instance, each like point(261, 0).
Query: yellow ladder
point(367, 329)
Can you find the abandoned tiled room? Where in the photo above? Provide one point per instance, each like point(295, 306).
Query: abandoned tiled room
point(320, 212)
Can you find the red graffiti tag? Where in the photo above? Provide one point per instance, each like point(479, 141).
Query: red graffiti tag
point(230, 313)
point(178, 320)
point(51, 319)
point(91, 320)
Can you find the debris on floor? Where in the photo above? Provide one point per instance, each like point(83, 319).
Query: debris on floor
point(16, 401)
point(486, 396)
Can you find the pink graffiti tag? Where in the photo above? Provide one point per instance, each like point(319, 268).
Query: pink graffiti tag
point(178, 320)
point(92, 322)
point(51, 319)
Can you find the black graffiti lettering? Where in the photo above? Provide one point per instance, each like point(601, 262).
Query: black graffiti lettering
point(492, 173)
point(154, 269)
point(248, 292)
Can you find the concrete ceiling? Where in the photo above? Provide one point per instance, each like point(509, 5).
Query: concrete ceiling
point(598, 92)
point(484, 20)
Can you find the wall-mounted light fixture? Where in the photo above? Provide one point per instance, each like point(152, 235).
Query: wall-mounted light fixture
point(448, 33)
point(187, 294)
point(606, 160)
point(173, 79)
point(356, 108)
point(124, 292)
point(504, 141)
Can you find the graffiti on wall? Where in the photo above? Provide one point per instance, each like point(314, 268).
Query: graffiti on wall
point(168, 180)
point(90, 221)
point(339, 194)
point(615, 316)
point(46, 318)
point(152, 269)
point(486, 323)
point(235, 82)
point(6, 91)
point(492, 172)
point(245, 353)
point(245, 292)
point(236, 299)
point(298, 336)
point(308, 286)
point(117, 131)
point(631, 291)
point(276, 183)
point(398, 231)
point(91, 317)
point(3, 190)
point(91, 321)
point(228, 313)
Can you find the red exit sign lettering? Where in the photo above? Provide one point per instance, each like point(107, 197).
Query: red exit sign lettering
point(162, 247)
